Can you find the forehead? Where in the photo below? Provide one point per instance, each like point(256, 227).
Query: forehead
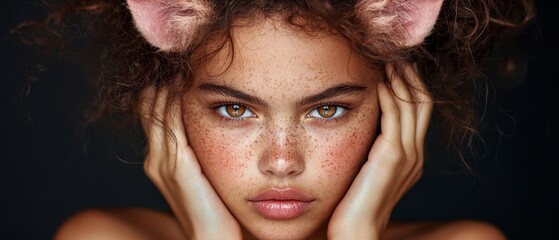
point(271, 54)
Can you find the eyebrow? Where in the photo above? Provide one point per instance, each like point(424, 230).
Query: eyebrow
point(227, 91)
point(342, 89)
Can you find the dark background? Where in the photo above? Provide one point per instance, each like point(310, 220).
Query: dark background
point(50, 169)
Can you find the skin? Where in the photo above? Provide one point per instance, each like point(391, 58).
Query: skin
point(210, 165)
point(280, 143)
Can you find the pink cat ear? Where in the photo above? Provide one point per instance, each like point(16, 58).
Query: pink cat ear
point(170, 25)
point(408, 22)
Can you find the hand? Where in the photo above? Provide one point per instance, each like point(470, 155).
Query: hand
point(394, 164)
point(172, 166)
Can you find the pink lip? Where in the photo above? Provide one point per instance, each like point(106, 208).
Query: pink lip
point(281, 204)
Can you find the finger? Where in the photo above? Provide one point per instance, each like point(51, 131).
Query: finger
point(424, 104)
point(150, 103)
point(178, 140)
point(390, 116)
point(157, 146)
point(412, 161)
point(424, 107)
point(407, 109)
point(173, 118)
point(157, 129)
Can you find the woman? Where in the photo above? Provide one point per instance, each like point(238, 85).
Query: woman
point(290, 119)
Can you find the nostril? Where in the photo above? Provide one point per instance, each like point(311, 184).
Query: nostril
point(293, 172)
point(281, 167)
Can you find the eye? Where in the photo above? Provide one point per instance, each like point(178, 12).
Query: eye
point(234, 111)
point(327, 112)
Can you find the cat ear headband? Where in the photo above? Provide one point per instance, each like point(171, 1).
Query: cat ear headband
point(172, 25)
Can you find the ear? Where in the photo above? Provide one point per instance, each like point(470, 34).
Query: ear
point(409, 22)
point(170, 25)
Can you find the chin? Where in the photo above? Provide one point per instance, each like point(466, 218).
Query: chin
point(281, 230)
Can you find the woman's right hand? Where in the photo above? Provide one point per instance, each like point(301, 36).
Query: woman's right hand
point(172, 166)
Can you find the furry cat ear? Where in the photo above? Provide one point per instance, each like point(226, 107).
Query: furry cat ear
point(408, 22)
point(170, 25)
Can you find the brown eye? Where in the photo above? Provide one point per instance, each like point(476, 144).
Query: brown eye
point(235, 110)
point(327, 111)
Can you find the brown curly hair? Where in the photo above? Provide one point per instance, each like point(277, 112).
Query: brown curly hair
point(449, 59)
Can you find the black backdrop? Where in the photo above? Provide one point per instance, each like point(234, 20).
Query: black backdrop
point(49, 170)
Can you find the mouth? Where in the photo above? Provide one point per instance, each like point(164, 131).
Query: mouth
point(281, 204)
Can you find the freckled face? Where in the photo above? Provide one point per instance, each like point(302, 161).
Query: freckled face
point(289, 123)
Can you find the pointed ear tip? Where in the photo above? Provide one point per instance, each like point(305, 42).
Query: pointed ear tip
point(417, 38)
point(159, 26)
point(422, 28)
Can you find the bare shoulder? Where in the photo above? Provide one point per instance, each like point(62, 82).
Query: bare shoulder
point(454, 230)
point(121, 223)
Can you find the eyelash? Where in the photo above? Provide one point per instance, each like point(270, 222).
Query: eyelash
point(217, 106)
point(345, 108)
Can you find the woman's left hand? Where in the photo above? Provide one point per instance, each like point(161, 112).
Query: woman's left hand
point(394, 163)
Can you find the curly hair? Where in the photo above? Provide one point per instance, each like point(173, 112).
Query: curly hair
point(449, 59)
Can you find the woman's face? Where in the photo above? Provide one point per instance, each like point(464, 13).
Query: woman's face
point(283, 131)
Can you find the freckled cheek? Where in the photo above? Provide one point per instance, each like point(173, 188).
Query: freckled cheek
point(343, 155)
point(223, 156)
point(218, 152)
point(339, 155)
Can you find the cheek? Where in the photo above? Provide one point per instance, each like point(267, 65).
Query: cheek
point(216, 153)
point(340, 158)
point(340, 154)
point(223, 157)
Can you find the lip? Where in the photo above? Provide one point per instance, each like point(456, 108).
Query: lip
point(281, 204)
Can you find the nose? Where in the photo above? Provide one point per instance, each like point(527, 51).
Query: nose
point(282, 157)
